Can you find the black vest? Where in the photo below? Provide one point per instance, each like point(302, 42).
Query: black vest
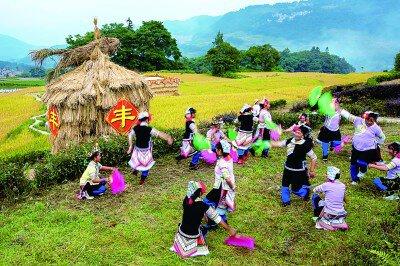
point(246, 122)
point(143, 136)
point(297, 159)
point(188, 132)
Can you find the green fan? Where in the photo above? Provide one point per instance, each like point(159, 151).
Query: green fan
point(270, 125)
point(232, 134)
point(325, 104)
point(260, 145)
point(315, 94)
point(201, 143)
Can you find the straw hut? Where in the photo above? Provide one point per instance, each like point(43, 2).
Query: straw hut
point(84, 95)
point(163, 86)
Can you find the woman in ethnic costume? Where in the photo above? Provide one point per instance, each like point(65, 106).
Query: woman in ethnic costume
point(296, 173)
point(263, 132)
point(244, 138)
point(329, 212)
point(329, 135)
point(142, 153)
point(189, 240)
point(367, 136)
point(215, 134)
point(187, 148)
point(390, 184)
point(222, 196)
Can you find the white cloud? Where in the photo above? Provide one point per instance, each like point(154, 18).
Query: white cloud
point(47, 22)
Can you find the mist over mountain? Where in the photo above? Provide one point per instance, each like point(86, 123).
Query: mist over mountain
point(366, 33)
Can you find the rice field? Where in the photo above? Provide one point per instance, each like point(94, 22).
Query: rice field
point(209, 95)
point(212, 95)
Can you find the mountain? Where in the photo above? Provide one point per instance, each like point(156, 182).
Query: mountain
point(14, 53)
point(366, 33)
point(12, 49)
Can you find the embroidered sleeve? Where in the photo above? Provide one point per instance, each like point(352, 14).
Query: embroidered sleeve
point(391, 165)
point(347, 115)
point(222, 134)
point(193, 127)
point(312, 155)
point(267, 117)
point(154, 132)
point(131, 134)
point(319, 188)
point(213, 215)
point(380, 136)
point(225, 173)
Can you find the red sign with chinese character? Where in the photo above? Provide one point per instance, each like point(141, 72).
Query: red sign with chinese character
point(54, 120)
point(122, 116)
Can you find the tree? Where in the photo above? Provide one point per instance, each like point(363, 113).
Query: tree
point(263, 57)
point(397, 63)
point(156, 49)
point(314, 61)
point(222, 57)
point(150, 47)
point(37, 72)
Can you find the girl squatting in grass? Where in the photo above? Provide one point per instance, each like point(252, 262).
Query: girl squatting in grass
point(391, 183)
point(142, 153)
point(222, 196)
point(91, 183)
point(329, 212)
point(296, 173)
point(189, 240)
point(367, 136)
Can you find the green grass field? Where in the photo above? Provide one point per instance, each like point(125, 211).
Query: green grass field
point(8, 83)
point(138, 226)
point(209, 95)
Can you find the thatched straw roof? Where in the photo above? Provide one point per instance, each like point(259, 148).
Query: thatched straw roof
point(75, 57)
point(100, 80)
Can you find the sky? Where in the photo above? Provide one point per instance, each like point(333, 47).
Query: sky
point(48, 22)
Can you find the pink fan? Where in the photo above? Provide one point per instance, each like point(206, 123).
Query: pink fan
point(346, 139)
point(275, 135)
point(338, 149)
point(234, 155)
point(240, 241)
point(117, 183)
point(209, 156)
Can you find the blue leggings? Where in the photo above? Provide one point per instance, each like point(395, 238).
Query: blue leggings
point(145, 174)
point(195, 158)
point(327, 145)
point(242, 152)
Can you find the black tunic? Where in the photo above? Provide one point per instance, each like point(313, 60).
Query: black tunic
point(188, 132)
point(192, 217)
point(246, 122)
point(143, 136)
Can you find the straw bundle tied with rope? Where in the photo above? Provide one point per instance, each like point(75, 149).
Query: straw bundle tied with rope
point(84, 95)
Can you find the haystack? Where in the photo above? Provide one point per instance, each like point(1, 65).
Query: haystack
point(84, 95)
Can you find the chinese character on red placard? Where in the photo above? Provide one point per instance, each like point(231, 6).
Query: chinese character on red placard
point(122, 116)
point(54, 120)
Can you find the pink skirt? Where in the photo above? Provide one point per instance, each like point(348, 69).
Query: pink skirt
point(142, 159)
point(186, 148)
point(330, 222)
point(243, 140)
